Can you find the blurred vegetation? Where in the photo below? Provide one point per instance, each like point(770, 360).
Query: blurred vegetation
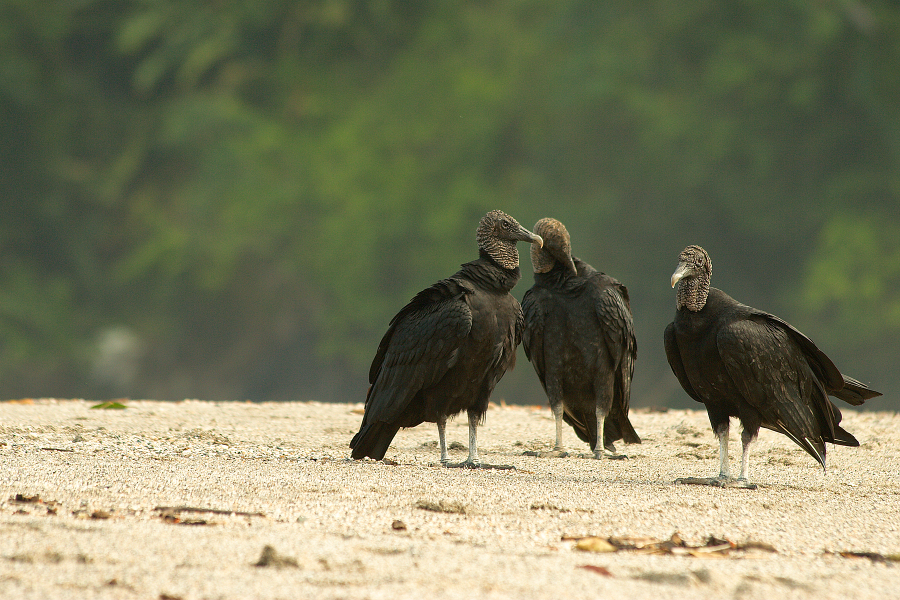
point(232, 199)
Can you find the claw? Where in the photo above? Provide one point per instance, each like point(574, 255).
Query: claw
point(722, 482)
point(477, 465)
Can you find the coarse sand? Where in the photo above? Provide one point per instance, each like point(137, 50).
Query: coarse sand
point(231, 500)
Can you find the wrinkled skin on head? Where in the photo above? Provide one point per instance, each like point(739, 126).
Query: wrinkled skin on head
point(557, 247)
point(692, 276)
point(497, 235)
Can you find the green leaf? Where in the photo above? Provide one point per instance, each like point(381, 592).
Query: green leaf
point(109, 405)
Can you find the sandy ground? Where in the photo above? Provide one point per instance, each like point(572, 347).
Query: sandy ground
point(181, 500)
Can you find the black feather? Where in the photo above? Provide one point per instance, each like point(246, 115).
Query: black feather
point(444, 352)
point(579, 336)
point(745, 363)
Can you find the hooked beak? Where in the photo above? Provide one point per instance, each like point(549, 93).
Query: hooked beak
point(680, 273)
point(532, 238)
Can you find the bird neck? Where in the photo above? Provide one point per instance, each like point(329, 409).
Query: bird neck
point(502, 252)
point(692, 293)
point(556, 276)
point(486, 274)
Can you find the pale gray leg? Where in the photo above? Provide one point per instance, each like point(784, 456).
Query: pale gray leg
point(725, 479)
point(473, 442)
point(473, 462)
point(724, 463)
point(558, 411)
point(442, 439)
point(558, 450)
point(601, 451)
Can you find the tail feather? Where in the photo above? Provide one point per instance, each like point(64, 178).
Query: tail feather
point(854, 392)
point(815, 447)
point(585, 426)
point(373, 440)
point(842, 437)
point(620, 428)
point(615, 427)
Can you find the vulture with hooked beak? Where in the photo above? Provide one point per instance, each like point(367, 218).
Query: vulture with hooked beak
point(745, 363)
point(444, 352)
point(579, 336)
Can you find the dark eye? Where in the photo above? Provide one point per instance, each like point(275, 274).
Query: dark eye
point(507, 225)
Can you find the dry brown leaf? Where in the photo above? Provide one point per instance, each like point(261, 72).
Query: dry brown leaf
point(596, 569)
point(675, 545)
point(271, 558)
point(595, 544)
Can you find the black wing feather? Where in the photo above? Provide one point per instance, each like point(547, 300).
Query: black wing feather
point(836, 384)
point(534, 305)
point(419, 347)
point(673, 354)
point(421, 344)
point(772, 374)
point(614, 312)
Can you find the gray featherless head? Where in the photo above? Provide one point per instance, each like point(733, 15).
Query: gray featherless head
point(692, 277)
point(557, 247)
point(497, 235)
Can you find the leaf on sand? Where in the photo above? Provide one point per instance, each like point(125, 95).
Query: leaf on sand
point(873, 556)
point(596, 569)
point(444, 506)
point(675, 545)
point(271, 558)
point(52, 506)
point(215, 511)
point(177, 520)
point(110, 405)
point(23, 499)
point(595, 544)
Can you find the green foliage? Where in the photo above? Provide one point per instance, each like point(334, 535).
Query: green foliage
point(854, 272)
point(254, 188)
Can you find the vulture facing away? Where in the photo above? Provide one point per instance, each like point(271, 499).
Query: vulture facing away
point(745, 363)
point(579, 335)
point(444, 352)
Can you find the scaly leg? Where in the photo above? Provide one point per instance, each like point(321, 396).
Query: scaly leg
point(473, 462)
point(558, 411)
point(725, 479)
point(558, 450)
point(473, 442)
point(442, 439)
point(600, 450)
point(724, 463)
point(746, 439)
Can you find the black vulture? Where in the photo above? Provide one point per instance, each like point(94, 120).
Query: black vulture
point(579, 335)
point(745, 363)
point(444, 352)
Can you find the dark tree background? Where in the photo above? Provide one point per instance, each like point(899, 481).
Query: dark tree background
point(230, 200)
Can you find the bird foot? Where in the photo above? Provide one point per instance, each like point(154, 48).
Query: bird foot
point(602, 455)
point(722, 482)
point(476, 465)
point(556, 453)
point(613, 456)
